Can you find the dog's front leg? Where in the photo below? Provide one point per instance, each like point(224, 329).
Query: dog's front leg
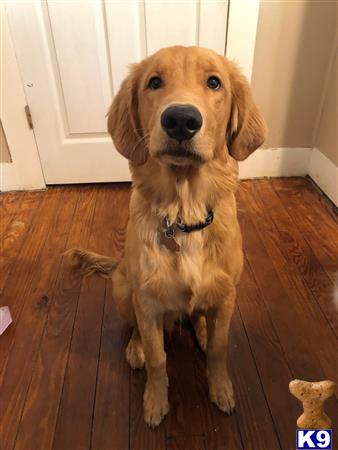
point(150, 323)
point(218, 322)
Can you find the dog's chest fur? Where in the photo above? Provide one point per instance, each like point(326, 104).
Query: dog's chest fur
point(176, 277)
point(182, 280)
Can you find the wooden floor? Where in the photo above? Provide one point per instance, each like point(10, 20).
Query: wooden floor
point(65, 383)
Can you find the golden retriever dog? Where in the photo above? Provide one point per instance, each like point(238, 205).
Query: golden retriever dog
point(182, 117)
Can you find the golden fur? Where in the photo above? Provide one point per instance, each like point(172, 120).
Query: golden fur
point(152, 284)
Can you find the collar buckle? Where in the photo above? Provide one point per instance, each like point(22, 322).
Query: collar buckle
point(169, 230)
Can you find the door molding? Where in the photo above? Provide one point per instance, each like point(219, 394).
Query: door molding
point(241, 33)
point(24, 172)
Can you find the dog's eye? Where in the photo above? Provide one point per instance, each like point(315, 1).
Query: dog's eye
point(213, 83)
point(155, 83)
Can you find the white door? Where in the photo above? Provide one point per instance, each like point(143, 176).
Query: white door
point(73, 56)
point(21, 169)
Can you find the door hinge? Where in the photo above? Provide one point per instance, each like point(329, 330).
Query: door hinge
point(29, 117)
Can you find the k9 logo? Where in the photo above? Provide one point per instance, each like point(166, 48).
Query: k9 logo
point(314, 439)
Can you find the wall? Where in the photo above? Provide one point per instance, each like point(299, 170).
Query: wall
point(326, 137)
point(4, 150)
point(292, 54)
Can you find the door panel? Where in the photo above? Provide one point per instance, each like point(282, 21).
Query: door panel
point(81, 51)
point(213, 25)
point(169, 25)
point(194, 22)
point(125, 28)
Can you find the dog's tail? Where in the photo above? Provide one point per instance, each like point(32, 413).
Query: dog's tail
point(89, 262)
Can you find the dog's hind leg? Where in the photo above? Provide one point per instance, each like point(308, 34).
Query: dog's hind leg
point(122, 295)
point(134, 350)
point(199, 323)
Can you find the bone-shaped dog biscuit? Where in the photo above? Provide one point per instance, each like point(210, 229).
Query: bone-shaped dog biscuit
point(313, 396)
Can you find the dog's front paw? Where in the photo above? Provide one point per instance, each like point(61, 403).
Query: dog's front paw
point(200, 326)
point(221, 393)
point(156, 406)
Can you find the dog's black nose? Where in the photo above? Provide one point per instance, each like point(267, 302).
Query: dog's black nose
point(181, 122)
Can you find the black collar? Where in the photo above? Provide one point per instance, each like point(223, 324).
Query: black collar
point(171, 229)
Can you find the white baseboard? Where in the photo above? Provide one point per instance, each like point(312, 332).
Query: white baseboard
point(276, 162)
point(289, 162)
point(325, 174)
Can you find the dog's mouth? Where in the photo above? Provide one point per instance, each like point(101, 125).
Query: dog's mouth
point(181, 155)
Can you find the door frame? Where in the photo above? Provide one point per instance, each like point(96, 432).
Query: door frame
point(24, 172)
point(242, 21)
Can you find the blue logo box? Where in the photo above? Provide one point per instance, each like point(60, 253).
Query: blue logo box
point(313, 439)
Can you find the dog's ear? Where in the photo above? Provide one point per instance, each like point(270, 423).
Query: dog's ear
point(246, 128)
point(123, 120)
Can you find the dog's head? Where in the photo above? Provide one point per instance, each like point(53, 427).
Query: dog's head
point(183, 106)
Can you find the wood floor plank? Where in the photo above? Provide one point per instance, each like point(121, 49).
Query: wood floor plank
point(16, 231)
point(272, 367)
point(277, 246)
point(36, 430)
point(186, 442)
point(252, 409)
point(298, 332)
point(111, 412)
point(243, 428)
point(110, 428)
point(73, 429)
point(184, 418)
point(220, 430)
point(10, 204)
point(323, 243)
point(32, 248)
point(5, 216)
point(20, 365)
point(313, 282)
point(30, 251)
point(21, 280)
